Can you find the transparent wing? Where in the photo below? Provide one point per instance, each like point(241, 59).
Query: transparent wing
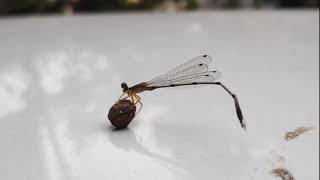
point(209, 76)
point(193, 66)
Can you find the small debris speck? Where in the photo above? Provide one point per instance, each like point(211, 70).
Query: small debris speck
point(282, 173)
point(297, 132)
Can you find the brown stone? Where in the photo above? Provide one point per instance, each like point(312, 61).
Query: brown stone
point(122, 113)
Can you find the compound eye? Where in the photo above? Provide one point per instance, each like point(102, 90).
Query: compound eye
point(124, 86)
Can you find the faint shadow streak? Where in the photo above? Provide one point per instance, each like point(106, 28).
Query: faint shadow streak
point(58, 154)
point(126, 139)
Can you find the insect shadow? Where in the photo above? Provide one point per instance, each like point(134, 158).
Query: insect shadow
point(127, 140)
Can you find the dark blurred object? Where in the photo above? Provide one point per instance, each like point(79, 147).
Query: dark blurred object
point(4, 7)
point(298, 3)
point(47, 6)
point(99, 5)
point(217, 4)
point(192, 4)
point(70, 6)
point(122, 113)
point(29, 6)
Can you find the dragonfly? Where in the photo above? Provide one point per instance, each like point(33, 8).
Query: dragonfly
point(193, 73)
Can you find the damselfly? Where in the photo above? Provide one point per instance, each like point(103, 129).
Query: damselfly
point(192, 73)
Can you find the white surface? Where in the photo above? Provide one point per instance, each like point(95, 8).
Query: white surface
point(60, 75)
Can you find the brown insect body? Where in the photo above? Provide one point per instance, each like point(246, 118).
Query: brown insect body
point(133, 91)
point(139, 88)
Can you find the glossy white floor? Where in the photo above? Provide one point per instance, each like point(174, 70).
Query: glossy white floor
point(60, 75)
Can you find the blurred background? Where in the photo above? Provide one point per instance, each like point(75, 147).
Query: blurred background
point(12, 7)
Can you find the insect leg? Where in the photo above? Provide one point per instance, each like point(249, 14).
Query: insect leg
point(132, 98)
point(121, 96)
point(138, 101)
point(138, 98)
